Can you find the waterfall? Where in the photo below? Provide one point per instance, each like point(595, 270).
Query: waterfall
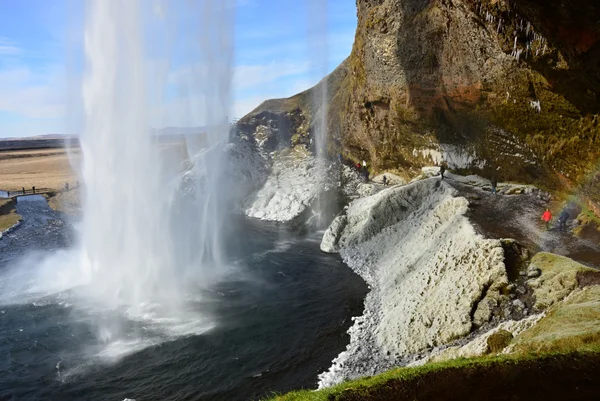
point(141, 242)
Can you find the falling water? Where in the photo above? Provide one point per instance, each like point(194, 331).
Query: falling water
point(144, 244)
point(319, 55)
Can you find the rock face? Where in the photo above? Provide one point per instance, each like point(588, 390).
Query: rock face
point(294, 182)
point(428, 270)
point(481, 76)
point(508, 88)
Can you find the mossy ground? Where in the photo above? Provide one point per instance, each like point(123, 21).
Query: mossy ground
point(571, 325)
point(8, 214)
point(558, 279)
point(504, 377)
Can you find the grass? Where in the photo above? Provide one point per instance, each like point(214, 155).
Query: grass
point(569, 326)
point(67, 202)
point(8, 214)
point(409, 379)
point(558, 279)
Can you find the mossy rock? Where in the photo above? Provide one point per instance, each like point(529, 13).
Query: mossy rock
point(558, 279)
point(573, 324)
point(499, 340)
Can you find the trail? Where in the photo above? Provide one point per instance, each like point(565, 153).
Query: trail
point(519, 217)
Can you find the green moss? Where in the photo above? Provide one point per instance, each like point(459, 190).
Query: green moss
point(499, 340)
point(369, 387)
point(558, 279)
point(8, 214)
point(571, 325)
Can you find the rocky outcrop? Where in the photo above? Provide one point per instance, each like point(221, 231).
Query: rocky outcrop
point(294, 182)
point(502, 87)
point(478, 75)
point(280, 123)
point(428, 271)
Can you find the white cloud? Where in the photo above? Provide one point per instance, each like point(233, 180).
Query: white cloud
point(8, 48)
point(32, 95)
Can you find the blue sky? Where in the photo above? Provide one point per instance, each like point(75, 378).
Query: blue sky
point(280, 49)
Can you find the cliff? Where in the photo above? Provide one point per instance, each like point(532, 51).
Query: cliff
point(506, 88)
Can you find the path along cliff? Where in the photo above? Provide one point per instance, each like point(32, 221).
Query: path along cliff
point(505, 88)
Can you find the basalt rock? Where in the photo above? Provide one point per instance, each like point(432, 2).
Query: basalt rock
point(493, 86)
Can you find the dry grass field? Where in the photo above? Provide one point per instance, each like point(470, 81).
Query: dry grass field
point(42, 168)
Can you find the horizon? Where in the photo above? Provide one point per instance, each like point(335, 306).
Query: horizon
point(41, 53)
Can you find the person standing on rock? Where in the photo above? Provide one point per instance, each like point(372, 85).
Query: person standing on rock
point(494, 185)
point(442, 170)
point(562, 220)
point(547, 217)
point(385, 181)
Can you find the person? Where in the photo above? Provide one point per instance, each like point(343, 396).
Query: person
point(385, 181)
point(442, 170)
point(562, 220)
point(357, 166)
point(8, 194)
point(66, 186)
point(23, 188)
point(547, 216)
point(494, 185)
point(33, 189)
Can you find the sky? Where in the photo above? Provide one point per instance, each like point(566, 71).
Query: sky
point(280, 48)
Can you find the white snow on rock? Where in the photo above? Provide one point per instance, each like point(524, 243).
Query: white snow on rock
point(426, 267)
point(294, 182)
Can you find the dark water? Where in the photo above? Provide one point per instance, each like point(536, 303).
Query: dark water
point(275, 330)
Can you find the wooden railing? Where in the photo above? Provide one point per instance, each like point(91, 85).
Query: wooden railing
point(30, 191)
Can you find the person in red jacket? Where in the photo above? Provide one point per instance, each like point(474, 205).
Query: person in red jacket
point(547, 216)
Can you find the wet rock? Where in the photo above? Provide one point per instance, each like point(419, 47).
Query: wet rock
point(519, 305)
point(533, 272)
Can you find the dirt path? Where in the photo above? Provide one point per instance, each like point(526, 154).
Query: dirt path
point(519, 217)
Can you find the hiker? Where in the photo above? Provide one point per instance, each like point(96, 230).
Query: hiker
point(494, 185)
point(33, 189)
point(23, 188)
point(547, 216)
point(442, 170)
point(562, 220)
point(358, 166)
point(8, 194)
point(364, 164)
point(385, 181)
